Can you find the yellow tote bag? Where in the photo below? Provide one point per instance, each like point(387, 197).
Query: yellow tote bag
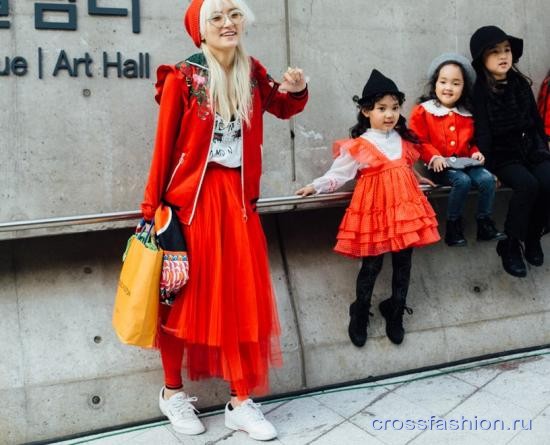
point(135, 313)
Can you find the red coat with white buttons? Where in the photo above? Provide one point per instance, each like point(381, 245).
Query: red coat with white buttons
point(443, 132)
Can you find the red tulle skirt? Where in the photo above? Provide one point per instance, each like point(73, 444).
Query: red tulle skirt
point(226, 314)
point(388, 212)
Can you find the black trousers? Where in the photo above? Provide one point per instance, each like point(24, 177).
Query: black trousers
point(371, 267)
point(529, 207)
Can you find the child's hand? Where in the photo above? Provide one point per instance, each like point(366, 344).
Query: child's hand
point(478, 157)
point(439, 164)
point(423, 180)
point(426, 181)
point(307, 190)
point(293, 81)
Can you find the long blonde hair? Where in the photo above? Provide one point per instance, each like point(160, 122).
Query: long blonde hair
point(229, 92)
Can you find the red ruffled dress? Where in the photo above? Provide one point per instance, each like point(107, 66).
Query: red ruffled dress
point(388, 212)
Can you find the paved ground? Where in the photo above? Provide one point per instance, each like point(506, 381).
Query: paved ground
point(499, 401)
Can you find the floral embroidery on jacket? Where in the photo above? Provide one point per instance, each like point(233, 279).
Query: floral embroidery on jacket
point(196, 75)
point(197, 80)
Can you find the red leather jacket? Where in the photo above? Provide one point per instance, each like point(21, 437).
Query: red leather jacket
point(185, 129)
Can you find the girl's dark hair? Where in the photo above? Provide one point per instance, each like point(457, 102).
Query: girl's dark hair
point(488, 80)
point(492, 84)
point(363, 122)
point(465, 100)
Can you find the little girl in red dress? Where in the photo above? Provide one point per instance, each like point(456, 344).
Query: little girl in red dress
point(388, 212)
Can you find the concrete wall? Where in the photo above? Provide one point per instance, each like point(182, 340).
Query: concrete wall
point(81, 145)
point(59, 351)
point(65, 153)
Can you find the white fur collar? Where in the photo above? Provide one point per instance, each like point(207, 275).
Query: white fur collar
point(439, 110)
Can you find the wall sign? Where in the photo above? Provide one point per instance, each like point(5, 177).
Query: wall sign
point(113, 64)
point(70, 14)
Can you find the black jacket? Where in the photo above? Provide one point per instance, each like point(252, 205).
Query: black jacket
point(508, 127)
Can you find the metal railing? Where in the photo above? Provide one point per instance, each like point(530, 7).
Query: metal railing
point(102, 218)
point(264, 206)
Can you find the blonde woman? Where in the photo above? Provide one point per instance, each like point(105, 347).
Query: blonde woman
point(207, 165)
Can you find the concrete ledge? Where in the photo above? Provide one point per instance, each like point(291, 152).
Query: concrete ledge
point(60, 352)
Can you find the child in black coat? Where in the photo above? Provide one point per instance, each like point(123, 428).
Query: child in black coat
point(510, 133)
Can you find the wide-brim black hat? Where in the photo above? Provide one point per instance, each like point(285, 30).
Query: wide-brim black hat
point(488, 36)
point(378, 84)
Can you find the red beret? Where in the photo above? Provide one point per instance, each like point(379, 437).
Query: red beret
point(192, 21)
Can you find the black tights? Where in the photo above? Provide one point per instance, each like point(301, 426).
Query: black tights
point(371, 267)
point(529, 206)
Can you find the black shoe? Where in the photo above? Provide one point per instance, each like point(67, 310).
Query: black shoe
point(394, 320)
point(454, 235)
point(358, 322)
point(533, 252)
point(487, 231)
point(512, 259)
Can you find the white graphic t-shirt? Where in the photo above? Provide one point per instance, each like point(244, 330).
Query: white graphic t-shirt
point(226, 146)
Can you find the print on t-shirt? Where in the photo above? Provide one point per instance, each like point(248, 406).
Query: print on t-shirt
point(225, 148)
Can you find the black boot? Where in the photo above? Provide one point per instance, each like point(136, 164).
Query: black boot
point(454, 235)
point(394, 320)
point(512, 259)
point(533, 252)
point(358, 322)
point(487, 231)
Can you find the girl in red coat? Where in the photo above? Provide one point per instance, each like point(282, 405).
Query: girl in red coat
point(443, 122)
point(388, 212)
point(544, 104)
point(207, 164)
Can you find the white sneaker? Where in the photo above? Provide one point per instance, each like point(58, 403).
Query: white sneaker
point(181, 413)
point(249, 418)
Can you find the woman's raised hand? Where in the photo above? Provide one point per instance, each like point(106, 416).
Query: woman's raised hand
point(293, 81)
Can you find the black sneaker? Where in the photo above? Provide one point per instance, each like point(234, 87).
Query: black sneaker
point(487, 231)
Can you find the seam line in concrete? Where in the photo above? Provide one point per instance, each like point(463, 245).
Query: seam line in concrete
point(470, 396)
point(291, 121)
point(380, 397)
point(225, 437)
point(14, 269)
point(286, 270)
point(311, 442)
point(535, 417)
point(476, 389)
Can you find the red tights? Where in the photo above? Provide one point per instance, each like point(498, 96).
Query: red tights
point(171, 353)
